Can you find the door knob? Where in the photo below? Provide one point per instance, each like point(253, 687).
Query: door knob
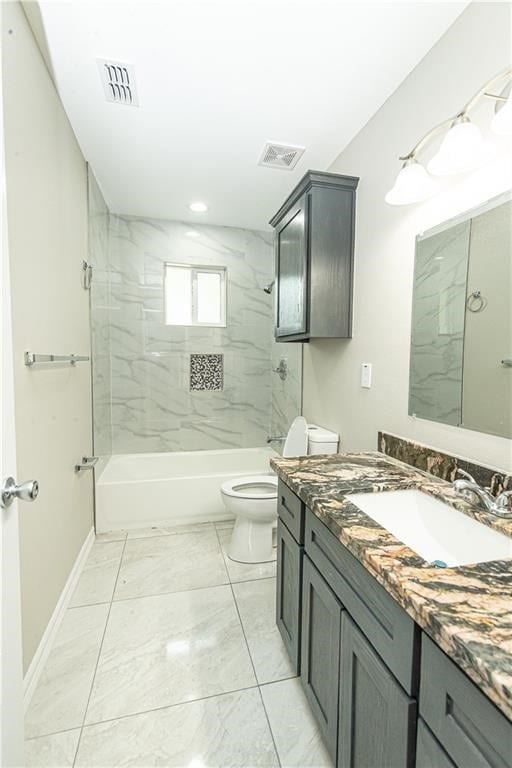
point(24, 491)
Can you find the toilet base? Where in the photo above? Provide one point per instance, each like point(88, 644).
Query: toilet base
point(251, 542)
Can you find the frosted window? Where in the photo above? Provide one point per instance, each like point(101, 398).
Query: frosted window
point(195, 295)
point(208, 297)
point(178, 296)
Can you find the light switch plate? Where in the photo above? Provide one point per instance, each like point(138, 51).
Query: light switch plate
point(366, 375)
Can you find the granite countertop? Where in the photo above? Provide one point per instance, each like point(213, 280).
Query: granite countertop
point(467, 610)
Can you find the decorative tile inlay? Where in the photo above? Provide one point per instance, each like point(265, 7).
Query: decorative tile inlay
point(206, 372)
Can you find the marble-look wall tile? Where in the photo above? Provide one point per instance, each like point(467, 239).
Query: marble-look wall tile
point(142, 396)
point(287, 394)
point(100, 318)
point(153, 405)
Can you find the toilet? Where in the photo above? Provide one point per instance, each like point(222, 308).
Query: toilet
point(253, 500)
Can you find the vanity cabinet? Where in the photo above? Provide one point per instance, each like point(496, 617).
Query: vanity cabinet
point(321, 633)
point(383, 693)
point(314, 254)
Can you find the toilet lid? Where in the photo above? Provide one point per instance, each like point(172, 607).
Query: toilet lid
point(296, 443)
point(254, 487)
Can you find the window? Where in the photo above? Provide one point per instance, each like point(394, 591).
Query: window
point(194, 295)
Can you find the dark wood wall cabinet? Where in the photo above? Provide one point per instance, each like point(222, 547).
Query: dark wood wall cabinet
point(314, 255)
point(383, 693)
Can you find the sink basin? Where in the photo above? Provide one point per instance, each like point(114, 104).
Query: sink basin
point(433, 529)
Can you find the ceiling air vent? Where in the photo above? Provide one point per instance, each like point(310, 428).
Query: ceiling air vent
point(282, 156)
point(118, 82)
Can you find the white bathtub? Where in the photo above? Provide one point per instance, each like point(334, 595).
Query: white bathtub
point(144, 489)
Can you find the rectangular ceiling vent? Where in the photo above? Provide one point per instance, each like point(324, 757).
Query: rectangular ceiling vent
point(284, 156)
point(118, 82)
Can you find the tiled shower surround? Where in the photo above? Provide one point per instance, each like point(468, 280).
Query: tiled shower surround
point(152, 405)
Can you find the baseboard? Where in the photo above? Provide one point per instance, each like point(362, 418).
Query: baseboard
point(43, 650)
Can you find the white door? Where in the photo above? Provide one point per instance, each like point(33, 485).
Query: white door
point(11, 707)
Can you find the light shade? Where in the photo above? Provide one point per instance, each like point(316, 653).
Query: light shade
point(412, 185)
point(462, 149)
point(198, 207)
point(502, 120)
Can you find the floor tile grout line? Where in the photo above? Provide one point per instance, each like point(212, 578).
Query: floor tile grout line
point(98, 656)
point(165, 706)
point(240, 581)
point(250, 656)
point(172, 592)
point(224, 556)
point(52, 733)
point(243, 631)
point(269, 726)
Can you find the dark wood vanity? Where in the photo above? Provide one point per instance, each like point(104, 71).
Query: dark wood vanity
point(383, 693)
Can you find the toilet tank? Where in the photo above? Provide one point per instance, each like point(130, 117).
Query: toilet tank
point(322, 440)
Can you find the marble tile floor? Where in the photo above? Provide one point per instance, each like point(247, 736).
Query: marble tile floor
point(169, 656)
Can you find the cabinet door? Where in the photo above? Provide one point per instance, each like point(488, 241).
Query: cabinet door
point(429, 753)
point(377, 719)
point(289, 590)
point(321, 628)
point(291, 272)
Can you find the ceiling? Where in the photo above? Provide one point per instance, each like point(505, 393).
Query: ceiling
point(218, 78)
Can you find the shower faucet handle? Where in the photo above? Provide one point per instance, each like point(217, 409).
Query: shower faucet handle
point(276, 439)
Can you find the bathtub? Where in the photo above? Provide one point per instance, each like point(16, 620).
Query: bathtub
point(145, 489)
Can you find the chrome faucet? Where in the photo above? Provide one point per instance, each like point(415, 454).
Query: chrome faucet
point(276, 439)
point(467, 487)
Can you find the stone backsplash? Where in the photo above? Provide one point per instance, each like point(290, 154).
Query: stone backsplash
point(441, 464)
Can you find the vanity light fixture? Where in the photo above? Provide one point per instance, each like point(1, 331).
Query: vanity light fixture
point(412, 185)
point(463, 148)
point(502, 121)
point(198, 207)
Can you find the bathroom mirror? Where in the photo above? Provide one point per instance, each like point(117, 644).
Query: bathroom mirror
point(461, 338)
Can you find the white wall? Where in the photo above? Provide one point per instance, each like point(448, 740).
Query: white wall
point(47, 218)
point(474, 49)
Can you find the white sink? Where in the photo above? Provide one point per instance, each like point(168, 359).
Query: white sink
point(433, 529)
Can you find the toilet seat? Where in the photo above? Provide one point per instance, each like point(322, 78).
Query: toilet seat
point(253, 487)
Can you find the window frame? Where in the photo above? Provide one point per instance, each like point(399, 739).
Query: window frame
point(194, 270)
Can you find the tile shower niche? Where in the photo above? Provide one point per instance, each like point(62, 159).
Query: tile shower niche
point(206, 372)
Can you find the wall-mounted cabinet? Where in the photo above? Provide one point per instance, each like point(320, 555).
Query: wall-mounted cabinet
point(314, 252)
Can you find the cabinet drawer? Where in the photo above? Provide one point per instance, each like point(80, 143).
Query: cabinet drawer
point(470, 728)
point(429, 753)
point(289, 592)
point(393, 634)
point(291, 511)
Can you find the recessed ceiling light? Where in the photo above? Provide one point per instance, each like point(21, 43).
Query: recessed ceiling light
point(198, 207)
point(192, 233)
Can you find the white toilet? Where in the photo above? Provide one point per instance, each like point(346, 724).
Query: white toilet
point(253, 500)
